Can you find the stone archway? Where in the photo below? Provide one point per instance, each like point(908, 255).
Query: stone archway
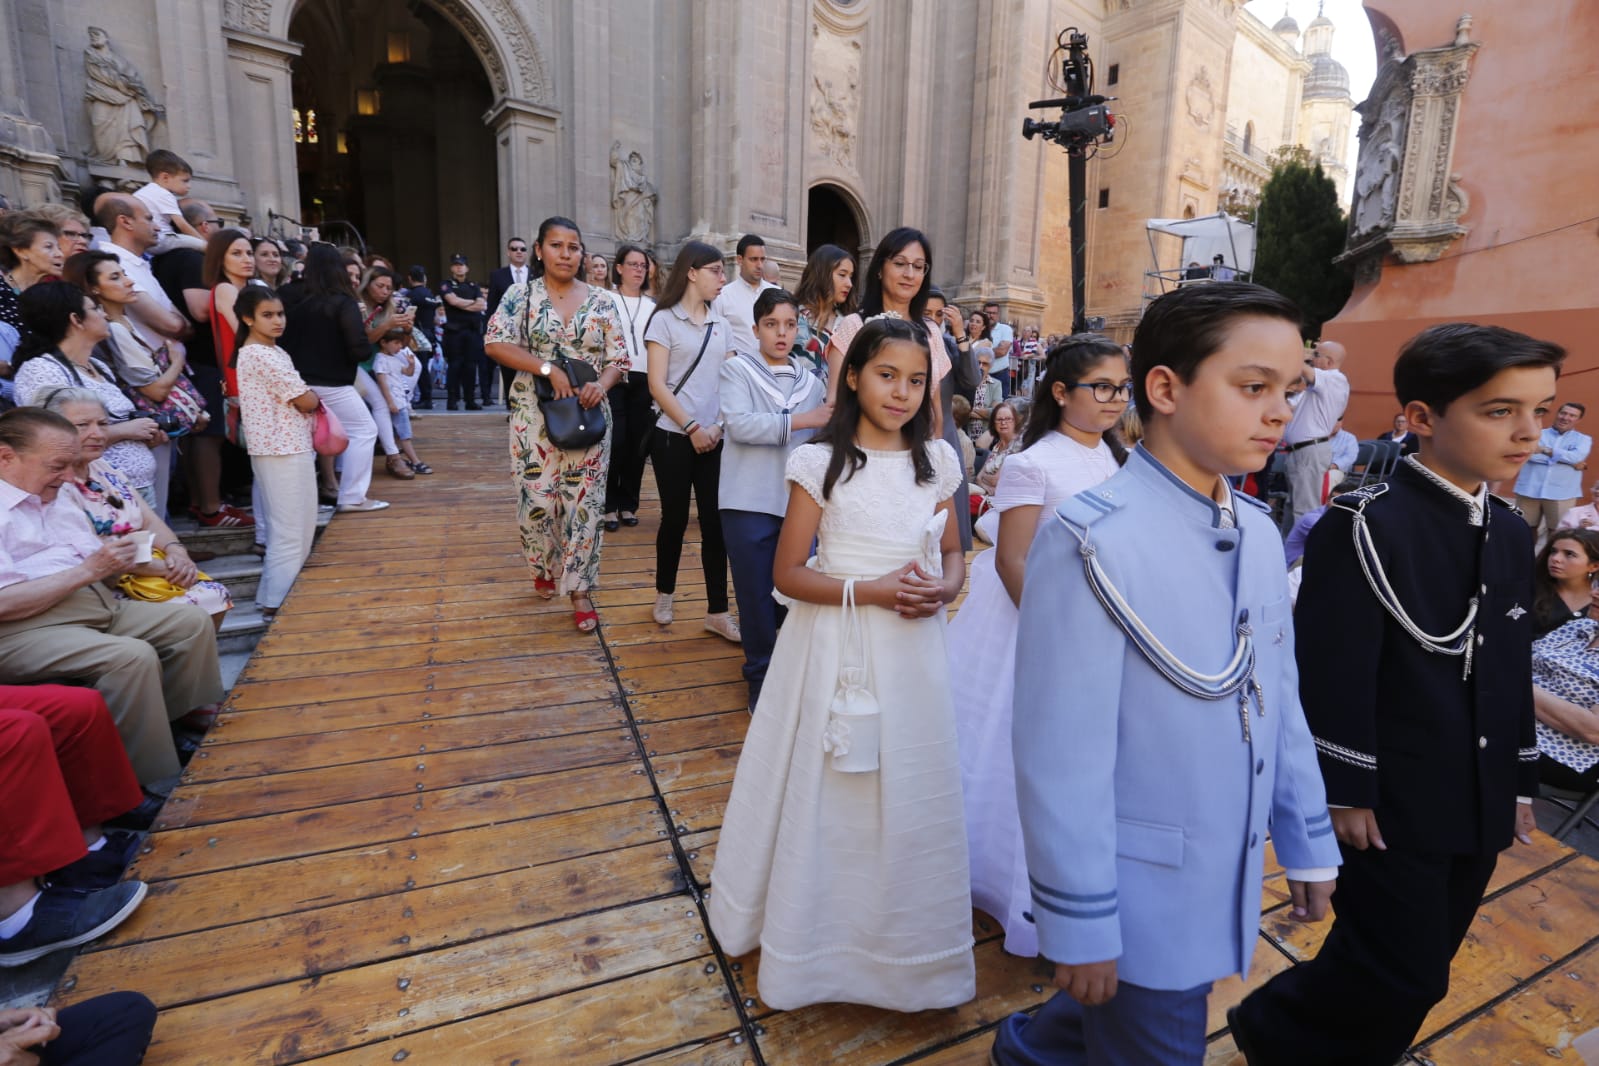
point(834, 216)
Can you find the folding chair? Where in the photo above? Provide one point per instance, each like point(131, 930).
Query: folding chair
point(1579, 809)
point(1365, 452)
point(1384, 461)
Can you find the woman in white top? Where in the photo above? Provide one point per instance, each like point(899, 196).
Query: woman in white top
point(686, 340)
point(1069, 446)
point(630, 399)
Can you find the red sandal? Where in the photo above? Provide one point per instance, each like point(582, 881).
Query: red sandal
point(586, 621)
point(544, 587)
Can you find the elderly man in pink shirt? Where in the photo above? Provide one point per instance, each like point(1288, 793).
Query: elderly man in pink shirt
point(153, 662)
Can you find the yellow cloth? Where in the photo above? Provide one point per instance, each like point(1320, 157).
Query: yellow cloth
point(152, 588)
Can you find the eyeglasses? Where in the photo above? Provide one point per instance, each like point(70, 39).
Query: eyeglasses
point(1104, 392)
point(75, 234)
point(909, 267)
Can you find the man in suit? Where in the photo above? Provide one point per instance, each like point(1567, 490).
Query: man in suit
point(514, 272)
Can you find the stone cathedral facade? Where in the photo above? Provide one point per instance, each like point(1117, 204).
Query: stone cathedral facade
point(422, 128)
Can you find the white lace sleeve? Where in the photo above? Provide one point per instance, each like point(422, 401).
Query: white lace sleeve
point(807, 468)
point(946, 468)
point(1021, 483)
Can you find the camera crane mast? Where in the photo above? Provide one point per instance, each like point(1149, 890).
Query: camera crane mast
point(1085, 124)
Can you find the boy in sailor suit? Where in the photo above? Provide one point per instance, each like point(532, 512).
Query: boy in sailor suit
point(1416, 672)
point(1157, 732)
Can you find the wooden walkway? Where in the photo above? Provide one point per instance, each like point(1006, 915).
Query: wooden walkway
point(438, 825)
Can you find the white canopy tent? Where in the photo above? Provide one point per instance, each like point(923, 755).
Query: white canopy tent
point(1202, 240)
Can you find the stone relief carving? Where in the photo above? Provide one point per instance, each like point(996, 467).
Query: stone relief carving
point(633, 197)
point(122, 112)
point(1201, 99)
point(835, 95)
point(1408, 202)
point(252, 15)
point(513, 35)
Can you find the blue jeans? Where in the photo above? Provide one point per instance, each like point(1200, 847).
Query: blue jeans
point(751, 538)
point(1138, 1027)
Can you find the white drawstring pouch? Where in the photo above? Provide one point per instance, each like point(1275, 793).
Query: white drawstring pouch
point(853, 734)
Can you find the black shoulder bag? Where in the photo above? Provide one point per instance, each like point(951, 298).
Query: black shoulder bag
point(705, 342)
point(567, 423)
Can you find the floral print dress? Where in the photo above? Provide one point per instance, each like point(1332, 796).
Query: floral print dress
point(561, 494)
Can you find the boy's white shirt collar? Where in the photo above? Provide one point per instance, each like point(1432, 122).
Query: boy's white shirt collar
point(1476, 505)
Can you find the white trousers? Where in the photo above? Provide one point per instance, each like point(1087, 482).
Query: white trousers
point(378, 405)
point(355, 469)
point(287, 487)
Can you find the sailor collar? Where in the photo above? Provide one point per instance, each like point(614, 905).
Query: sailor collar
point(1476, 505)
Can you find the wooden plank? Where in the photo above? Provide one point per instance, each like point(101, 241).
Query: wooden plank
point(699, 808)
point(423, 653)
point(381, 634)
point(700, 850)
point(350, 1008)
point(308, 944)
point(694, 649)
point(687, 703)
point(270, 837)
point(598, 1026)
point(680, 676)
point(866, 1036)
point(341, 747)
point(1520, 861)
point(244, 894)
point(550, 695)
point(1537, 1025)
point(406, 775)
point(695, 769)
point(687, 734)
point(326, 689)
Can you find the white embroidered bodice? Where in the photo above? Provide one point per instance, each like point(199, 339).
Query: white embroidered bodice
point(882, 500)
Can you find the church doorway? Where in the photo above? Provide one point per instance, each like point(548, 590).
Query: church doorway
point(390, 144)
point(831, 218)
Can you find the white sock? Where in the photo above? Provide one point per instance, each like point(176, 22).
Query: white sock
point(10, 927)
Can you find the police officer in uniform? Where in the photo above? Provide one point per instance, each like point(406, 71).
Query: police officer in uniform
point(464, 308)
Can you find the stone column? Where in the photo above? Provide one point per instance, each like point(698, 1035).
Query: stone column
point(261, 123)
point(30, 170)
point(528, 148)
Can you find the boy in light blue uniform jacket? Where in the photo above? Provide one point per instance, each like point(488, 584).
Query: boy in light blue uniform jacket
point(1158, 732)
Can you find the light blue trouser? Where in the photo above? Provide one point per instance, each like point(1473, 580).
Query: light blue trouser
point(1138, 1027)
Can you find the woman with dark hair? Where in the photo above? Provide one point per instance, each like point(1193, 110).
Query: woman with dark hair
point(30, 251)
point(1563, 579)
point(687, 342)
point(979, 328)
point(897, 285)
point(631, 420)
point(64, 326)
point(1070, 445)
point(380, 313)
point(652, 283)
point(556, 315)
point(269, 266)
point(229, 266)
point(325, 339)
point(826, 293)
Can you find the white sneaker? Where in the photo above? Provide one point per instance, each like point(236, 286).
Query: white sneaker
point(724, 625)
point(663, 609)
point(364, 505)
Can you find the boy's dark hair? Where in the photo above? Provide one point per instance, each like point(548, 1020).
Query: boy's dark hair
point(417, 275)
point(161, 162)
point(395, 334)
point(839, 433)
point(1184, 327)
point(748, 241)
point(771, 299)
point(1442, 363)
point(1574, 405)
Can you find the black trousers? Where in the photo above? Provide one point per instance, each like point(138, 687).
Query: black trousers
point(632, 420)
point(679, 469)
point(1558, 775)
point(1361, 1001)
point(462, 350)
point(486, 368)
point(109, 1030)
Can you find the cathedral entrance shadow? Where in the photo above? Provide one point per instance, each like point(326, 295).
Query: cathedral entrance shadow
point(831, 217)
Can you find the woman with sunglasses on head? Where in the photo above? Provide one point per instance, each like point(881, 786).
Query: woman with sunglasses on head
point(1069, 445)
point(631, 419)
point(897, 286)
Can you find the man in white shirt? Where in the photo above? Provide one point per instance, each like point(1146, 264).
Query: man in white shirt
point(131, 231)
point(1308, 438)
point(737, 302)
point(1004, 339)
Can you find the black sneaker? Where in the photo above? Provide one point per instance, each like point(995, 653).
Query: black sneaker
point(141, 817)
point(65, 918)
point(453, 407)
point(98, 869)
point(474, 407)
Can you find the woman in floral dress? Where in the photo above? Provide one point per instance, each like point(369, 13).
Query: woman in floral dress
point(561, 493)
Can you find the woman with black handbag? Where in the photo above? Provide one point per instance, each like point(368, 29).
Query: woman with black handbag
point(564, 340)
point(686, 340)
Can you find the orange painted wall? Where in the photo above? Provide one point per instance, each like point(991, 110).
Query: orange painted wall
point(1527, 156)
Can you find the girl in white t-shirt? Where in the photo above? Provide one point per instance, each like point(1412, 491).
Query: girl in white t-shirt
point(397, 368)
point(275, 407)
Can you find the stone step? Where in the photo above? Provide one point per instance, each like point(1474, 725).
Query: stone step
point(241, 629)
point(219, 541)
point(240, 573)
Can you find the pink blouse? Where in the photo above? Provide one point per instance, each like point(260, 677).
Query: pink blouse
point(267, 382)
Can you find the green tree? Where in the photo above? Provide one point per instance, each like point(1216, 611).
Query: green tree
point(1299, 228)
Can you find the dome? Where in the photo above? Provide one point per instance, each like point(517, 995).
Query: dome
point(1327, 78)
point(1286, 24)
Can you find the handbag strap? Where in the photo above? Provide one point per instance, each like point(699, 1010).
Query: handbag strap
point(851, 657)
point(705, 342)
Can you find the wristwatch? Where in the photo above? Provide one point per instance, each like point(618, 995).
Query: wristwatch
point(545, 368)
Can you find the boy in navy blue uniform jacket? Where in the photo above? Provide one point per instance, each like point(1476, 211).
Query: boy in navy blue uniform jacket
point(1157, 730)
point(1416, 676)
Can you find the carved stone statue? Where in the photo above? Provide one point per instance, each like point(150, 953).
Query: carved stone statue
point(633, 197)
point(121, 111)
